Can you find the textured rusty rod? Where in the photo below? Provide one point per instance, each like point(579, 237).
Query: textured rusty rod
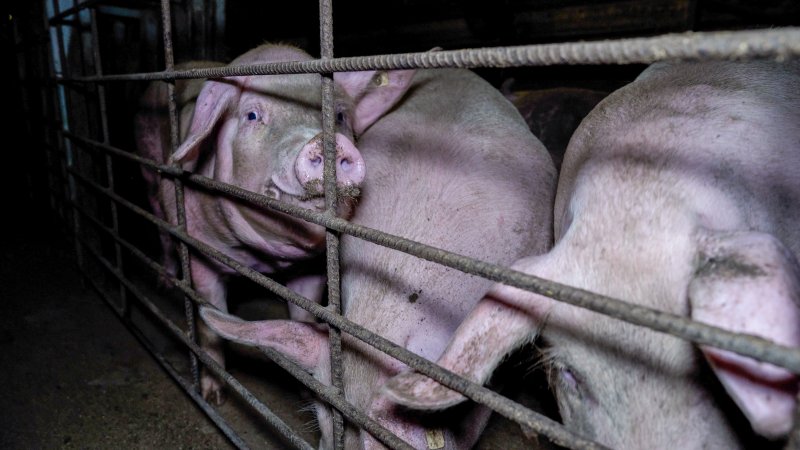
point(273, 420)
point(331, 395)
point(778, 43)
point(180, 205)
point(331, 237)
point(514, 411)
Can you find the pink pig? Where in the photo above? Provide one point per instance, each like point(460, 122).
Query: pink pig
point(263, 134)
point(453, 165)
point(681, 192)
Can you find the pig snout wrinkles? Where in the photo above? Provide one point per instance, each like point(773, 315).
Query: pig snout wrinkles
point(349, 164)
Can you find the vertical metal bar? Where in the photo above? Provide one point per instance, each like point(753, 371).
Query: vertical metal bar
point(101, 93)
point(331, 200)
point(183, 251)
point(69, 154)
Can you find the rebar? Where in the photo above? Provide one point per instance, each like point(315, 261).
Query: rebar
point(180, 205)
point(777, 43)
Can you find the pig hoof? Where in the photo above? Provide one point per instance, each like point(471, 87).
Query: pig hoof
point(212, 391)
point(417, 391)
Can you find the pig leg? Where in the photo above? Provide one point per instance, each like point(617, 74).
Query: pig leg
point(311, 287)
point(303, 343)
point(749, 282)
point(503, 320)
point(208, 283)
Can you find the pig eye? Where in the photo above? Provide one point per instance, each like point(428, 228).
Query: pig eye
point(252, 115)
point(568, 378)
point(340, 117)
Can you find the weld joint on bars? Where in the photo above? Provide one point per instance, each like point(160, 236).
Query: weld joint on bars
point(697, 332)
point(780, 43)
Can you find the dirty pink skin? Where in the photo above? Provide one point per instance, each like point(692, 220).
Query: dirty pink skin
point(263, 134)
point(679, 192)
point(453, 165)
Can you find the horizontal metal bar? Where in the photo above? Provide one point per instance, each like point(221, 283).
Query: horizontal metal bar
point(777, 43)
point(273, 420)
point(327, 393)
point(680, 326)
point(514, 411)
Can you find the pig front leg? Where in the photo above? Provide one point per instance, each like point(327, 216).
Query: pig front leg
point(504, 320)
point(311, 287)
point(209, 284)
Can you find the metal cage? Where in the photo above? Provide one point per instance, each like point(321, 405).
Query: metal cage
point(81, 163)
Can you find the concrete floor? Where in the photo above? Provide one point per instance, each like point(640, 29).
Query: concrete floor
point(74, 377)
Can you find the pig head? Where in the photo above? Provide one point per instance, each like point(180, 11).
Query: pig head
point(261, 133)
point(678, 192)
point(453, 165)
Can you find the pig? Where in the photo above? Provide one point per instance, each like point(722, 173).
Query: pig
point(453, 165)
point(263, 134)
point(678, 192)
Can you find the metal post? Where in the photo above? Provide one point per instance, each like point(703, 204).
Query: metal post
point(69, 155)
point(331, 200)
point(183, 251)
point(101, 93)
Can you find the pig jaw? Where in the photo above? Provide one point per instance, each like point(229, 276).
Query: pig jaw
point(655, 398)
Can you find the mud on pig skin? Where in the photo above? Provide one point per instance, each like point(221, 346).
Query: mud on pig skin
point(453, 165)
point(261, 133)
point(679, 192)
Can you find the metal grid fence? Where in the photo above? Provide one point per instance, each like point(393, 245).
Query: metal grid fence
point(772, 43)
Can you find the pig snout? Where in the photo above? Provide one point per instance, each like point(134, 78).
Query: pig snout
point(349, 164)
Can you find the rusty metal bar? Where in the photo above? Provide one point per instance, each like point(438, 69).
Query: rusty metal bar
point(331, 201)
point(101, 93)
point(180, 205)
point(778, 43)
point(748, 345)
point(327, 393)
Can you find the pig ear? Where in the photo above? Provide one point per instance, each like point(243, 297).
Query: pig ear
point(374, 93)
point(302, 342)
point(214, 100)
point(505, 319)
point(749, 282)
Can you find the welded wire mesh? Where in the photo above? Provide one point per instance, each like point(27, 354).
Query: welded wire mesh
point(772, 43)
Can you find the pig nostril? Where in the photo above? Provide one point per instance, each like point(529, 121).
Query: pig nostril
point(317, 160)
point(345, 163)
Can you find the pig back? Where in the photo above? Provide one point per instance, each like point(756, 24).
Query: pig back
point(731, 128)
point(454, 166)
